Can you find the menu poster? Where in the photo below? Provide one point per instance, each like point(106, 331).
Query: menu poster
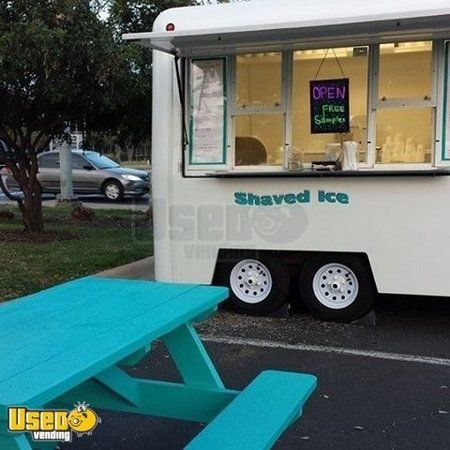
point(330, 106)
point(208, 112)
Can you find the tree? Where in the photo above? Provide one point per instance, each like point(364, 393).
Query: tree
point(58, 64)
point(134, 16)
point(132, 124)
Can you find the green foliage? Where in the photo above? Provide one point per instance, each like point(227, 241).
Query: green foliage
point(133, 114)
point(133, 16)
point(61, 62)
point(58, 63)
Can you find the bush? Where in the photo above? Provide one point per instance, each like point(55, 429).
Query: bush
point(83, 214)
point(6, 214)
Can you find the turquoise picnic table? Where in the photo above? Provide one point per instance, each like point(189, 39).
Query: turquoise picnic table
point(69, 343)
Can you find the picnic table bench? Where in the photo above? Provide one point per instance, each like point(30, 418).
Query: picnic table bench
point(68, 344)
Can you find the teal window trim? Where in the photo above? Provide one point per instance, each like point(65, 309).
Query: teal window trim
point(444, 153)
point(191, 119)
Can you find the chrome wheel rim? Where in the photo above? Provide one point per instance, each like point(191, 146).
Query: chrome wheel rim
point(112, 191)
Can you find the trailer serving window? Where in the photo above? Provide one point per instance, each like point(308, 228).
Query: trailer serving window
point(405, 103)
point(258, 110)
point(253, 112)
point(322, 64)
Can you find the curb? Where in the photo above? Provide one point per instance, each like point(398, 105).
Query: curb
point(144, 269)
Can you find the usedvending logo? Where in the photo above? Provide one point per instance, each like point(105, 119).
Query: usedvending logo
point(53, 425)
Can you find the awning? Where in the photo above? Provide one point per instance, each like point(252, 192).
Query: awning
point(232, 28)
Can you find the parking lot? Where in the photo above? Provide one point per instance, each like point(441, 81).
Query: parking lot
point(385, 386)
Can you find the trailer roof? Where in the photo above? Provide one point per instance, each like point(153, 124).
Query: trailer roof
point(276, 24)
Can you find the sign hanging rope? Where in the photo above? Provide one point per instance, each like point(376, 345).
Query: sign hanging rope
point(323, 60)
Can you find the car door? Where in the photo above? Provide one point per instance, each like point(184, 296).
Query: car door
point(84, 175)
point(49, 172)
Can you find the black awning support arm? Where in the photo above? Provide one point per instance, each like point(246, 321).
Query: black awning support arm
point(181, 92)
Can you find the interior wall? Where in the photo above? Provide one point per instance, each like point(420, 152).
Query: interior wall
point(258, 79)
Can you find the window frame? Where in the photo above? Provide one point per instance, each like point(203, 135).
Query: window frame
point(440, 156)
point(443, 107)
point(362, 165)
point(283, 109)
point(226, 156)
point(402, 103)
point(80, 158)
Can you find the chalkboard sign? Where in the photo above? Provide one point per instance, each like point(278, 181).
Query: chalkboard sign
point(330, 106)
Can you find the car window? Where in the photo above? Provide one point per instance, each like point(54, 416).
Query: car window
point(101, 161)
point(78, 162)
point(49, 161)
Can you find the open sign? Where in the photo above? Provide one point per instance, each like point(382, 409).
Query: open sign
point(330, 106)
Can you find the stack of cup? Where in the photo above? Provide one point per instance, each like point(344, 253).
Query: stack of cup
point(349, 155)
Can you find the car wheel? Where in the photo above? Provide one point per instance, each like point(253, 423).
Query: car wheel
point(113, 191)
point(337, 288)
point(258, 285)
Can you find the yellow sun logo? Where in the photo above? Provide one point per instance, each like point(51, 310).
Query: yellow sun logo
point(83, 419)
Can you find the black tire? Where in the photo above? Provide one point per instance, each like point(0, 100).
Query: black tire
point(278, 293)
point(365, 294)
point(116, 184)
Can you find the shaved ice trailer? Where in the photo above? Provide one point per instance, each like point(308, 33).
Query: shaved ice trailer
point(303, 144)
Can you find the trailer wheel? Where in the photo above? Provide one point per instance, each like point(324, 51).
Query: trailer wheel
point(258, 285)
point(337, 288)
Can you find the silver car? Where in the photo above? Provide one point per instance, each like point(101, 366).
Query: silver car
point(93, 173)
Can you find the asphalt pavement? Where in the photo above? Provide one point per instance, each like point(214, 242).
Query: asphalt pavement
point(380, 387)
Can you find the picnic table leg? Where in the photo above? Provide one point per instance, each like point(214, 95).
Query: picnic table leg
point(45, 445)
point(200, 398)
point(190, 357)
point(21, 441)
point(115, 390)
point(10, 441)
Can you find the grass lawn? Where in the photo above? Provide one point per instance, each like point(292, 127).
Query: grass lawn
point(113, 238)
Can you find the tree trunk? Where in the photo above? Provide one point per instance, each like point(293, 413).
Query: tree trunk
point(117, 153)
point(31, 208)
point(130, 152)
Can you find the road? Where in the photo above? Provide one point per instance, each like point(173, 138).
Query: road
point(380, 387)
point(97, 202)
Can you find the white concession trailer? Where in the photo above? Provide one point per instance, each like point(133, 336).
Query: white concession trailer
point(303, 143)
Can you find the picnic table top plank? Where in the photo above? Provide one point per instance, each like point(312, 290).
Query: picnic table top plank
point(93, 314)
point(56, 300)
point(125, 316)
